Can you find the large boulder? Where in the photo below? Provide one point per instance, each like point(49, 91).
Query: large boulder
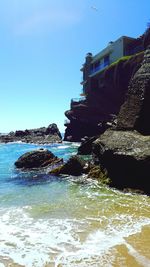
point(126, 157)
point(74, 166)
point(37, 159)
point(52, 129)
point(86, 146)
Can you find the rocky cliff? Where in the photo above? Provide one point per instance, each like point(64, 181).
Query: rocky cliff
point(136, 108)
point(122, 152)
point(89, 117)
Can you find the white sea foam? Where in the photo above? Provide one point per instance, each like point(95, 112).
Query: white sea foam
point(62, 147)
point(33, 243)
point(75, 144)
point(95, 250)
point(142, 260)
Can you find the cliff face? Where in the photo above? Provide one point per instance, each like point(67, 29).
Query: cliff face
point(122, 88)
point(136, 108)
point(89, 117)
point(125, 150)
point(122, 152)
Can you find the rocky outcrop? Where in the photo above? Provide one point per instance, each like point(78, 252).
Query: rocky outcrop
point(86, 146)
point(74, 166)
point(108, 91)
point(121, 154)
point(126, 157)
point(42, 135)
point(124, 152)
point(90, 117)
point(146, 38)
point(96, 172)
point(134, 112)
point(37, 159)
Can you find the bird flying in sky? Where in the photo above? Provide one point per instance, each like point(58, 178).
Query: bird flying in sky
point(94, 8)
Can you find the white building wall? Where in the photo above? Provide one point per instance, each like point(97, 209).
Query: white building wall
point(117, 50)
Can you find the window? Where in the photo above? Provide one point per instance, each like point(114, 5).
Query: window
point(97, 64)
point(106, 60)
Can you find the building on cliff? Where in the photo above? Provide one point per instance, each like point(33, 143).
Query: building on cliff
point(106, 79)
point(124, 46)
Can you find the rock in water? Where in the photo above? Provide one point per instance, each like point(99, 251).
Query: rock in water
point(126, 157)
point(41, 135)
point(74, 166)
point(37, 159)
point(52, 129)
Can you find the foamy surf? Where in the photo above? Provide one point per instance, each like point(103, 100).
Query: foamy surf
point(67, 222)
point(63, 242)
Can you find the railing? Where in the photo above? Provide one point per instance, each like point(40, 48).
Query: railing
point(75, 101)
point(83, 82)
point(100, 67)
point(78, 99)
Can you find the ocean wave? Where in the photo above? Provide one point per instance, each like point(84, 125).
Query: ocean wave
point(68, 242)
point(64, 223)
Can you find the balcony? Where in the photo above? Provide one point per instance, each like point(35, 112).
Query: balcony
point(100, 67)
point(77, 101)
point(83, 82)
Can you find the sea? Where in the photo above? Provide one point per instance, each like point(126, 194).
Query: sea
point(48, 221)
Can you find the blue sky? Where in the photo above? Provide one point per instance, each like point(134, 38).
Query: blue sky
point(42, 47)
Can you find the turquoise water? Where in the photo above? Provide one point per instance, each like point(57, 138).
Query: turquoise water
point(51, 221)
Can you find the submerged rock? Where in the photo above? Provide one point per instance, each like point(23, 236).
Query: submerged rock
point(126, 157)
point(37, 159)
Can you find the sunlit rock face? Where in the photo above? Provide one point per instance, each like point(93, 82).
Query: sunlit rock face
point(135, 111)
point(126, 157)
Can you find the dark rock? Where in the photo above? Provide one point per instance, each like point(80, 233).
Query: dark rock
point(126, 157)
point(133, 191)
point(41, 135)
point(134, 112)
point(56, 171)
point(146, 39)
point(86, 146)
point(37, 159)
point(74, 166)
point(104, 99)
point(96, 172)
point(52, 129)
point(77, 129)
point(20, 133)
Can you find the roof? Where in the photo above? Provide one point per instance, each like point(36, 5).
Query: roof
point(109, 48)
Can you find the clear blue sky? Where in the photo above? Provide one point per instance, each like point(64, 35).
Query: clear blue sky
point(42, 47)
